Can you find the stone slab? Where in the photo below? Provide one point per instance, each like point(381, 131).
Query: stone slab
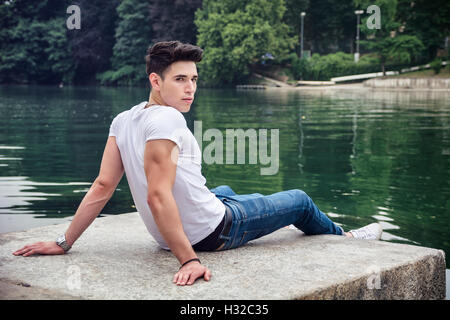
point(116, 258)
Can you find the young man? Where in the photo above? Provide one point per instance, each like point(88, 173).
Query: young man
point(162, 161)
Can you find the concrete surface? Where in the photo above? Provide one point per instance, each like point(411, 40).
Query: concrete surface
point(315, 83)
point(409, 83)
point(362, 76)
point(272, 81)
point(117, 259)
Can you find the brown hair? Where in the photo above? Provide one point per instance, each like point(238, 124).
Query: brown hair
point(162, 54)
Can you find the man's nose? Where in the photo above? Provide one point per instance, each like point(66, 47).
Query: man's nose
point(190, 87)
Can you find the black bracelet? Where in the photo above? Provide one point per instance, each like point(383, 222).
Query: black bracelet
point(195, 259)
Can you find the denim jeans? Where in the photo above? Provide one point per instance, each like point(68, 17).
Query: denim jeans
point(256, 215)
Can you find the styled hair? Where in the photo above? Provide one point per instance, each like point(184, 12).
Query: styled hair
point(162, 54)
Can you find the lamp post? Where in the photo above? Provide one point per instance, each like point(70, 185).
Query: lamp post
point(357, 12)
point(302, 15)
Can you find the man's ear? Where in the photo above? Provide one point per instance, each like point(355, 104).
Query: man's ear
point(155, 81)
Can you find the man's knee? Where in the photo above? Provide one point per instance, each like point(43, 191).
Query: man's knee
point(299, 193)
point(223, 190)
point(302, 199)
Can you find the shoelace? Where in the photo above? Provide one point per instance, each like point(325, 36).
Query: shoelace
point(362, 234)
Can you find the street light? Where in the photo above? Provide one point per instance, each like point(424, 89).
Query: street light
point(302, 15)
point(357, 12)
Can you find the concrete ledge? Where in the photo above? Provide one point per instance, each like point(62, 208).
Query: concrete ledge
point(315, 83)
point(363, 76)
point(409, 83)
point(117, 259)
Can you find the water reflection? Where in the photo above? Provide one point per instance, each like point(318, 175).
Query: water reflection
point(362, 155)
point(18, 193)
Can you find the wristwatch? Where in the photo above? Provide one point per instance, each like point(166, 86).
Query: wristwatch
point(61, 241)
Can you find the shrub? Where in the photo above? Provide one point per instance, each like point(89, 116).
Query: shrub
point(436, 65)
point(301, 68)
point(340, 64)
point(125, 76)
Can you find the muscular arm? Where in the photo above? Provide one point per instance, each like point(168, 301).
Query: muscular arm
point(160, 171)
point(160, 164)
point(111, 171)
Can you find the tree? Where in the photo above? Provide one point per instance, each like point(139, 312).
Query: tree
point(427, 20)
point(292, 17)
point(235, 34)
point(92, 45)
point(173, 20)
point(399, 49)
point(34, 46)
point(390, 47)
point(330, 26)
point(132, 38)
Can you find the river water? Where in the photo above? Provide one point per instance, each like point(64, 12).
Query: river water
point(363, 156)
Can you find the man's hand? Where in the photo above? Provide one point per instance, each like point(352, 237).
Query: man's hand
point(191, 272)
point(49, 247)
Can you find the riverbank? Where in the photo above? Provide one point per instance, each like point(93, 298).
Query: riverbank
point(421, 79)
point(409, 83)
point(361, 86)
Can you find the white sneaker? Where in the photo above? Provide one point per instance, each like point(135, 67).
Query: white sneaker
point(370, 232)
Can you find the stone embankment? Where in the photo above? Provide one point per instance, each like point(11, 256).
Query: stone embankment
point(116, 258)
point(409, 83)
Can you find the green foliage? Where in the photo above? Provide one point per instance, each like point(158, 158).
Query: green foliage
point(36, 47)
point(400, 49)
point(340, 64)
point(92, 44)
point(436, 66)
point(301, 68)
point(125, 75)
point(37, 52)
point(235, 34)
point(322, 68)
point(427, 20)
point(403, 49)
point(385, 42)
point(388, 10)
point(292, 15)
point(58, 50)
point(131, 42)
point(33, 51)
point(173, 19)
point(329, 26)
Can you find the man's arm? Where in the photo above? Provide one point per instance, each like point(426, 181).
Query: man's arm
point(111, 171)
point(160, 164)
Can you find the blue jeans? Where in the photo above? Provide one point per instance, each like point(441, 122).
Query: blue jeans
point(256, 215)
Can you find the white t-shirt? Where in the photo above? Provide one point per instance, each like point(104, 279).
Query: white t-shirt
point(200, 210)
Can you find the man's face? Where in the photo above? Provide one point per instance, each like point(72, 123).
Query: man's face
point(179, 85)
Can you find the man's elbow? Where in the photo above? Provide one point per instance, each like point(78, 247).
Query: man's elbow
point(156, 198)
point(104, 185)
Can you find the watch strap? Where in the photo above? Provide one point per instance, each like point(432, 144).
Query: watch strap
point(61, 241)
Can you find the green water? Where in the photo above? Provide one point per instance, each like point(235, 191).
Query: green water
point(362, 156)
